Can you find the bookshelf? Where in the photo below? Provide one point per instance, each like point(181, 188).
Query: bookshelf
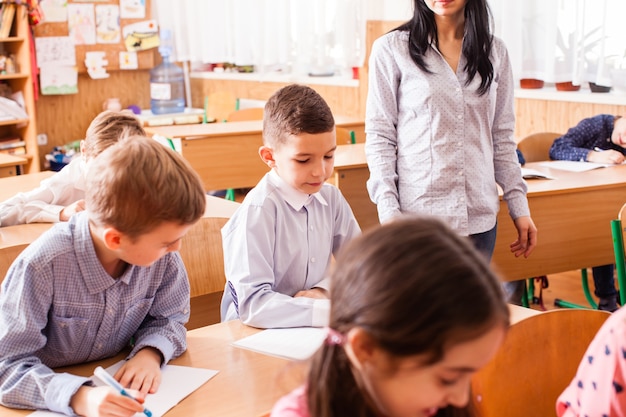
point(18, 132)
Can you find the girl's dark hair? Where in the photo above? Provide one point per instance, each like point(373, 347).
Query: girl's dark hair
point(476, 44)
point(417, 288)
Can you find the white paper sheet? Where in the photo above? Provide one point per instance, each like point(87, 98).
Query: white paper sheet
point(296, 344)
point(177, 382)
point(574, 166)
point(528, 173)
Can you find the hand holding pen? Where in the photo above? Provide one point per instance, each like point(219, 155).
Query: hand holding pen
point(605, 156)
point(105, 377)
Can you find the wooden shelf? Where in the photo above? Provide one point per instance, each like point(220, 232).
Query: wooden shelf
point(23, 82)
point(13, 122)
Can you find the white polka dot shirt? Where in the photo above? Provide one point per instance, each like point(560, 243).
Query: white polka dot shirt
point(434, 146)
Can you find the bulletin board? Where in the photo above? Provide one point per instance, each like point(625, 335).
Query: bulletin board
point(145, 59)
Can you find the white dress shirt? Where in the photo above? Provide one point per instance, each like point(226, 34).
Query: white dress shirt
point(434, 146)
point(281, 241)
point(44, 203)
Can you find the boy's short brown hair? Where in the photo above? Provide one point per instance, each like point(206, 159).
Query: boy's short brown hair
point(137, 184)
point(293, 110)
point(109, 127)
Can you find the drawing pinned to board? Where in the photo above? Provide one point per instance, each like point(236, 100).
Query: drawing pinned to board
point(55, 50)
point(81, 23)
point(128, 60)
point(107, 23)
point(56, 80)
point(141, 35)
point(95, 62)
point(132, 9)
point(54, 10)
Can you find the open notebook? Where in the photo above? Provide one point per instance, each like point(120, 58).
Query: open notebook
point(177, 382)
point(574, 166)
point(529, 173)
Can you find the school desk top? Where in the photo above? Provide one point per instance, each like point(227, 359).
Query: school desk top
point(248, 383)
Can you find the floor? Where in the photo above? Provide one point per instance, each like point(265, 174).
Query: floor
point(566, 286)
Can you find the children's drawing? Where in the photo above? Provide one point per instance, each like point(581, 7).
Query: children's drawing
point(81, 22)
point(107, 23)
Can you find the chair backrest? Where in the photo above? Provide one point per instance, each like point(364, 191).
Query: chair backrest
point(252, 113)
point(536, 147)
point(617, 233)
point(203, 256)
point(536, 362)
point(220, 104)
point(8, 255)
point(344, 136)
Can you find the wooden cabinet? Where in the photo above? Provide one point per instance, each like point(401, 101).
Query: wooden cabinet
point(17, 45)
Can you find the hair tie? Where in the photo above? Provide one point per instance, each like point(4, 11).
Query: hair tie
point(333, 337)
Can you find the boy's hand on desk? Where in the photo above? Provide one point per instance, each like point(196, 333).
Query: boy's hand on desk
point(313, 293)
point(104, 401)
point(608, 156)
point(72, 209)
point(526, 237)
point(142, 372)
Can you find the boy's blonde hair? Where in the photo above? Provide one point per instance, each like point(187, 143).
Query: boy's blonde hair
point(109, 127)
point(293, 110)
point(137, 184)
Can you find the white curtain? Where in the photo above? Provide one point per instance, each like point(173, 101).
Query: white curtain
point(563, 40)
point(317, 36)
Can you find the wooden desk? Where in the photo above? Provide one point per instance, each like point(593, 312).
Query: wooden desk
point(10, 186)
point(225, 155)
point(573, 215)
point(9, 164)
point(248, 383)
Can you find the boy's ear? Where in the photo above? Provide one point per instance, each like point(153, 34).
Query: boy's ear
point(112, 238)
point(267, 155)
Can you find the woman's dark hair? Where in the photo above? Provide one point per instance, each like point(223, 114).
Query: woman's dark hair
point(417, 288)
point(476, 44)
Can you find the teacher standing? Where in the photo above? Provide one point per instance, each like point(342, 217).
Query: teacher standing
point(440, 123)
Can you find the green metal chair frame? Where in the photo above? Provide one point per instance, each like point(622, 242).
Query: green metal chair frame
point(617, 233)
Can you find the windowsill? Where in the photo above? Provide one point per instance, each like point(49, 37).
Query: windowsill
point(276, 78)
point(584, 95)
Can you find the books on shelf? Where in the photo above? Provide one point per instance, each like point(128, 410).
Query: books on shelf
point(7, 12)
point(12, 145)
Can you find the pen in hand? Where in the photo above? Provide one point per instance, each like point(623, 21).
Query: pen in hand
point(596, 149)
point(105, 377)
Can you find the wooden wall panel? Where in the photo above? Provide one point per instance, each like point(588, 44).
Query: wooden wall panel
point(66, 118)
point(534, 115)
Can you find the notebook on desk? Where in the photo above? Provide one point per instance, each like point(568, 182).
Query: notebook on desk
point(574, 166)
point(529, 173)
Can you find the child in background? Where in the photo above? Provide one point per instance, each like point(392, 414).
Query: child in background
point(415, 311)
point(597, 390)
point(111, 274)
point(61, 196)
point(279, 243)
point(602, 139)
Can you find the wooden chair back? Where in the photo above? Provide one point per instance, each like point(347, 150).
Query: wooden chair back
point(7, 256)
point(203, 256)
point(536, 362)
point(536, 147)
point(252, 113)
point(344, 136)
point(219, 105)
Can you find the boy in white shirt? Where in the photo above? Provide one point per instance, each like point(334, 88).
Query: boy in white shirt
point(59, 197)
point(279, 244)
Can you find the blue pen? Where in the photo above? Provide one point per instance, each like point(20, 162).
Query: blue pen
point(105, 377)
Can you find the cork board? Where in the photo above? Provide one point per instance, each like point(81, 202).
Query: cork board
point(145, 59)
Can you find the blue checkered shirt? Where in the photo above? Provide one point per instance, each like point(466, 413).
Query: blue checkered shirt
point(59, 307)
